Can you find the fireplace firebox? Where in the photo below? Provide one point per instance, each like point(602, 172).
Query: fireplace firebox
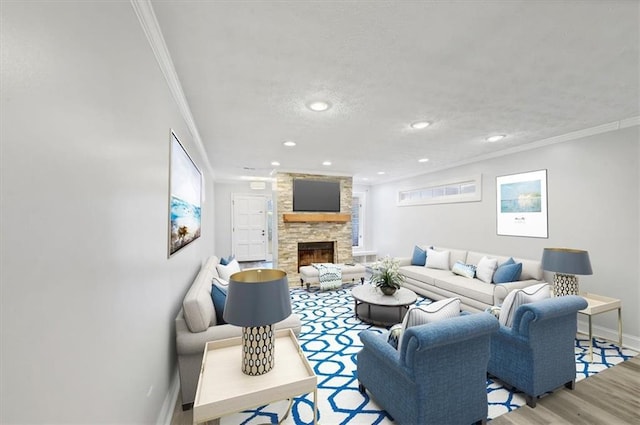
point(315, 252)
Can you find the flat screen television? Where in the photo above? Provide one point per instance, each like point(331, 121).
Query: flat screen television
point(316, 196)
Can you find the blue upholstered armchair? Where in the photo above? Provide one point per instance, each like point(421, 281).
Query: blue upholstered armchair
point(438, 377)
point(536, 354)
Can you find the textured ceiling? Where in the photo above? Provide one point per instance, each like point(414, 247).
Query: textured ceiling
point(530, 70)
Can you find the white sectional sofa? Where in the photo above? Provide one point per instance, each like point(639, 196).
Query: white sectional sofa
point(196, 325)
point(475, 295)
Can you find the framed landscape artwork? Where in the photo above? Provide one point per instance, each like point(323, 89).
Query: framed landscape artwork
point(185, 190)
point(522, 204)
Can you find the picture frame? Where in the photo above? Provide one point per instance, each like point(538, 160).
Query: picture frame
point(521, 208)
point(185, 198)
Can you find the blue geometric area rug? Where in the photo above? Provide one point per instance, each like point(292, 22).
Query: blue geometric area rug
point(329, 338)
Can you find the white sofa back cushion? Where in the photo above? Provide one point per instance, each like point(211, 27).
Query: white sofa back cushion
point(454, 255)
point(197, 305)
point(437, 259)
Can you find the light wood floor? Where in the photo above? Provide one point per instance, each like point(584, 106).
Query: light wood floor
point(611, 397)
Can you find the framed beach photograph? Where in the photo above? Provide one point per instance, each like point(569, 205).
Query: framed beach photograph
point(522, 204)
point(185, 191)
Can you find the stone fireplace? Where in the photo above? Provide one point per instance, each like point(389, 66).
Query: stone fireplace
point(322, 228)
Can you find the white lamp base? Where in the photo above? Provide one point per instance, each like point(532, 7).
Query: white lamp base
point(565, 284)
point(258, 349)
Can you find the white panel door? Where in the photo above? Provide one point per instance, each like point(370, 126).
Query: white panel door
point(249, 227)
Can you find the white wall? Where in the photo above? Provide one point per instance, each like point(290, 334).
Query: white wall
point(88, 296)
point(593, 197)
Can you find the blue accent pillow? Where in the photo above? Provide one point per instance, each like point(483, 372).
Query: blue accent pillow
point(419, 256)
point(219, 297)
point(226, 261)
point(509, 271)
point(466, 270)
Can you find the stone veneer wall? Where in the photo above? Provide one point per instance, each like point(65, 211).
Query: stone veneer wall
point(289, 234)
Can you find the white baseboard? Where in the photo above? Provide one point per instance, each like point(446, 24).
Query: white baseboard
point(628, 341)
point(166, 412)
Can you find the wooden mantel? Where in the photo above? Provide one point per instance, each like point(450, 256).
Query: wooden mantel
point(316, 217)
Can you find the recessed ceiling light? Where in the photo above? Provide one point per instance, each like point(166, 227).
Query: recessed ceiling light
point(423, 160)
point(419, 125)
point(496, 138)
point(319, 106)
point(289, 143)
point(275, 163)
point(380, 172)
point(326, 163)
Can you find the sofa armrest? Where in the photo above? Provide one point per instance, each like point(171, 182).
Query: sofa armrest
point(501, 290)
point(404, 261)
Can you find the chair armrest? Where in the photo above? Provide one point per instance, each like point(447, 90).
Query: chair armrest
point(546, 309)
point(377, 345)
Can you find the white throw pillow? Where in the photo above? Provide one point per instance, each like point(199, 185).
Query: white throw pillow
point(486, 268)
point(515, 299)
point(430, 313)
point(437, 259)
point(225, 272)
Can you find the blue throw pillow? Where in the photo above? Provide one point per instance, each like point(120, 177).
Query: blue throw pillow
point(219, 297)
point(419, 256)
point(509, 271)
point(226, 261)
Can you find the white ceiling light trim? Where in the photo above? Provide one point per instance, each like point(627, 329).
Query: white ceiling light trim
point(275, 163)
point(423, 160)
point(289, 143)
point(419, 125)
point(495, 138)
point(326, 163)
point(319, 106)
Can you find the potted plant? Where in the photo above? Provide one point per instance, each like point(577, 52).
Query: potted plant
point(386, 275)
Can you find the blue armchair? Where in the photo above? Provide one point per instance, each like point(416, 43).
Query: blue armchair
point(536, 354)
point(438, 377)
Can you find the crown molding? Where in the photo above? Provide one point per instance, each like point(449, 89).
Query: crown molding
point(151, 27)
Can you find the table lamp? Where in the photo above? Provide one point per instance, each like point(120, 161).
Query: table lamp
point(256, 299)
point(566, 263)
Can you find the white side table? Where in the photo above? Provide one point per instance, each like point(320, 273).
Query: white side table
point(223, 389)
point(601, 304)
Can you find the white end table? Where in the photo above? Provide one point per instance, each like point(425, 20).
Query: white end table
point(223, 388)
point(601, 304)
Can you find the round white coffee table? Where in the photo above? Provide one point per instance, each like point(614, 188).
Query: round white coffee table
point(372, 306)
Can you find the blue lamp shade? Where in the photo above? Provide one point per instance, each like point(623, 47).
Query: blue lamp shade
point(256, 299)
point(566, 261)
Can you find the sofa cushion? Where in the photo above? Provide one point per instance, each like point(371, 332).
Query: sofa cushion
point(422, 314)
point(462, 269)
point(225, 272)
point(509, 271)
point(468, 288)
point(419, 256)
point(197, 307)
point(437, 259)
point(485, 269)
point(454, 255)
point(219, 297)
point(423, 274)
point(518, 297)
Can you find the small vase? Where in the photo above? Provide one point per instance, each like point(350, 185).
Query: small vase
point(388, 290)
